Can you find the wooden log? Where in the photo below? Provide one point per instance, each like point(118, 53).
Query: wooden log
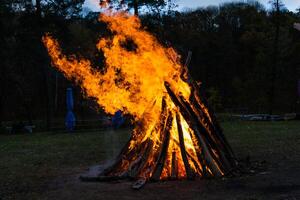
point(210, 160)
point(221, 150)
point(215, 149)
point(126, 155)
point(139, 183)
point(192, 159)
point(145, 149)
point(144, 158)
point(135, 164)
point(118, 161)
point(148, 167)
point(183, 151)
point(118, 168)
point(200, 155)
point(211, 131)
point(163, 114)
point(202, 103)
point(209, 115)
point(221, 145)
point(214, 134)
point(211, 121)
point(218, 150)
point(186, 76)
point(164, 151)
point(184, 73)
point(174, 168)
point(208, 154)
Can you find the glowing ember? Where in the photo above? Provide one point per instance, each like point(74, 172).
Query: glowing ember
point(177, 136)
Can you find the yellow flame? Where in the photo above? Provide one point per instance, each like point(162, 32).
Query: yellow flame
point(136, 67)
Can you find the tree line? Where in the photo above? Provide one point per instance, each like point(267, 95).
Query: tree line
point(246, 56)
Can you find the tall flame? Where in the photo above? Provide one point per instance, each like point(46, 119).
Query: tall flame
point(132, 79)
point(136, 68)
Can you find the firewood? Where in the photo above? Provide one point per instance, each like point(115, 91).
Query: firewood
point(200, 155)
point(213, 147)
point(212, 123)
point(184, 73)
point(163, 154)
point(208, 116)
point(216, 129)
point(129, 156)
point(189, 173)
point(144, 158)
point(139, 183)
point(220, 146)
point(193, 161)
point(208, 154)
point(174, 164)
point(126, 156)
point(146, 167)
point(199, 99)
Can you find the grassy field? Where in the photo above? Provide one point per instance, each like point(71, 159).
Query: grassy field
point(29, 163)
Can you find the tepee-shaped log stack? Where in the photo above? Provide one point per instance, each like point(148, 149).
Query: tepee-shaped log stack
point(143, 162)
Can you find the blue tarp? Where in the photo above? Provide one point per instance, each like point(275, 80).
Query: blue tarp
point(70, 117)
point(117, 119)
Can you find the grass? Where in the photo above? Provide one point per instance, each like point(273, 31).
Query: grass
point(260, 139)
point(29, 162)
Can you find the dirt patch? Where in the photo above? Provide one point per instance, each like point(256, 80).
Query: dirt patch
point(263, 185)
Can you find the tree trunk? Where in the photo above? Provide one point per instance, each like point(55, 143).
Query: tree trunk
point(45, 71)
point(38, 9)
point(275, 59)
point(136, 7)
point(1, 110)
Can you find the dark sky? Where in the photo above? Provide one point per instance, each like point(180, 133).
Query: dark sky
point(290, 4)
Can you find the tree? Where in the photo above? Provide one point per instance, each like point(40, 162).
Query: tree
point(64, 8)
point(277, 5)
point(233, 51)
point(4, 13)
point(152, 5)
point(25, 65)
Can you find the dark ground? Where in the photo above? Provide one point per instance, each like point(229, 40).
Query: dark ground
point(47, 166)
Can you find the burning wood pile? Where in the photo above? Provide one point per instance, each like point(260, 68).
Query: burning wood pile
point(176, 134)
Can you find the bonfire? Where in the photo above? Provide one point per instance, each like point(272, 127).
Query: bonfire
point(176, 134)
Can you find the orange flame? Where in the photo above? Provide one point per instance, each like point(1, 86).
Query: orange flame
point(134, 79)
point(136, 67)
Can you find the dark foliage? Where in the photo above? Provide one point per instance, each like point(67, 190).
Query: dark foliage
point(232, 45)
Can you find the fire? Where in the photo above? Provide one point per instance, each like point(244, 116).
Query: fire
point(132, 80)
point(137, 68)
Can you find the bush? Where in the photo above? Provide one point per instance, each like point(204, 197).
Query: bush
point(214, 99)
